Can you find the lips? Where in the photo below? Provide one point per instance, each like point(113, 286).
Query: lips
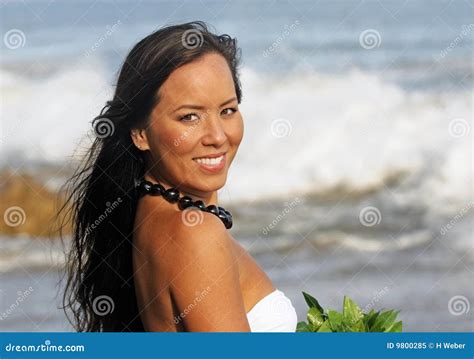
point(211, 155)
point(211, 163)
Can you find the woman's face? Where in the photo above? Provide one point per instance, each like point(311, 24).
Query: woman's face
point(196, 119)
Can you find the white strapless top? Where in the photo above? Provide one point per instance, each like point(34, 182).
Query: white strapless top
point(273, 313)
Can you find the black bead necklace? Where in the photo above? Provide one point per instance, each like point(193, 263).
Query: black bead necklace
point(172, 195)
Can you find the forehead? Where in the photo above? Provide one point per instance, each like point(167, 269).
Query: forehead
point(205, 81)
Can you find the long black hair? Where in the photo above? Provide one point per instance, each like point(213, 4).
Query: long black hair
point(102, 196)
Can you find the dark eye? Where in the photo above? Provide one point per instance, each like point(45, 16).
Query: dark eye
point(229, 111)
point(188, 117)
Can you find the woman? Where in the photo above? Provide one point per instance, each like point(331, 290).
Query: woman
point(151, 247)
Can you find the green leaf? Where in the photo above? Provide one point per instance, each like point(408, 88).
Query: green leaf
point(385, 320)
point(325, 328)
point(395, 328)
point(312, 302)
point(335, 321)
point(370, 319)
point(358, 327)
point(315, 319)
point(352, 319)
point(351, 312)
point(302, 327)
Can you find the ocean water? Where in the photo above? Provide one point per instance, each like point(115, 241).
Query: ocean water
point(356, 170)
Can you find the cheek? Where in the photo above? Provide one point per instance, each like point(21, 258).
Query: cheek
point(170, 141)
point(236, 132)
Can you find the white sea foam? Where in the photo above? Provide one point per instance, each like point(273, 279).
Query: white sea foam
point(352, 131)
point(43, 119)
point(308, 132)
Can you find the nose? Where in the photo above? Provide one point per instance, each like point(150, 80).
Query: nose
point(214, 133)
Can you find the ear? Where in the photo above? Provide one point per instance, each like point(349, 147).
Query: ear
point(140, 139)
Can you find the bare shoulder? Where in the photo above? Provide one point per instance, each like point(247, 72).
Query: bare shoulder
point(193, 229)
point(192, 254)
point(205, 273)
point(187, 228)
point(200, 241)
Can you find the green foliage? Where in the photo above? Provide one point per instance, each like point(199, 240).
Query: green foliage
point(352, 319)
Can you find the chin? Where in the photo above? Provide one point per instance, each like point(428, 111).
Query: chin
point(212, 184)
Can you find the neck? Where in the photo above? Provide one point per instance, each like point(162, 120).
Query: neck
point(207, 197)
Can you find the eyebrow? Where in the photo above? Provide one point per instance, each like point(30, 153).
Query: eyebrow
point(197, 107)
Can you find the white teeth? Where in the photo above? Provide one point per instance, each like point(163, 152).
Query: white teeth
point(210, 161)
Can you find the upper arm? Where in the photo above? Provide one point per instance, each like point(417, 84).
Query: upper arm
point(204, 278)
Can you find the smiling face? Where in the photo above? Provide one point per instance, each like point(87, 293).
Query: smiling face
point(197, 116)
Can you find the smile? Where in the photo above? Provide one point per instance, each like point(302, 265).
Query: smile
point(211, 164)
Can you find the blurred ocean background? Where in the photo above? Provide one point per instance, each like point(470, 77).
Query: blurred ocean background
point(355, 175)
